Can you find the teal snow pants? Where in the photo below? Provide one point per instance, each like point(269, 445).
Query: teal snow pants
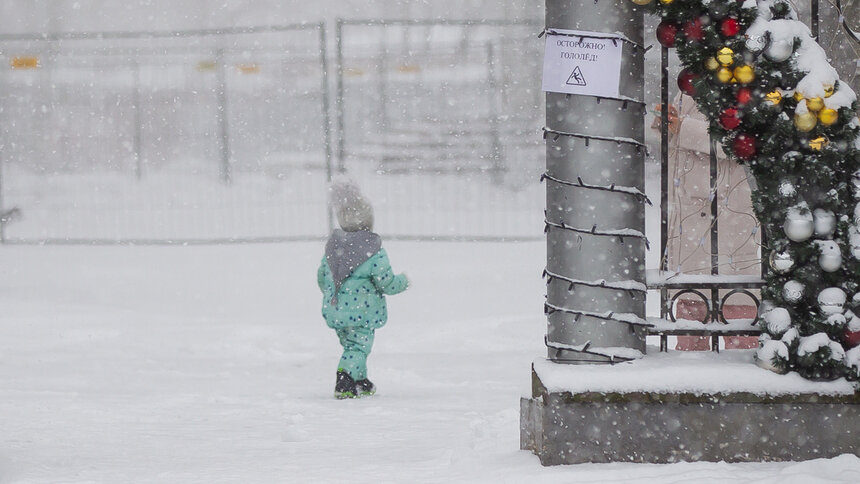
point(356, 342)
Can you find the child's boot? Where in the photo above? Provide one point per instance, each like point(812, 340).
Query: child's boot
point(365, 388)
point(345, 386)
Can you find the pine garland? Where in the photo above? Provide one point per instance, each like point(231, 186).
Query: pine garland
point(776, 105)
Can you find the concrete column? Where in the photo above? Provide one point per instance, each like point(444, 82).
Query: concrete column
point(577, 261)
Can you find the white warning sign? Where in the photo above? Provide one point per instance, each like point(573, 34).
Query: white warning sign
point(582, 62)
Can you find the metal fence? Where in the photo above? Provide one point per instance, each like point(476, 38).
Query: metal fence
point(224, 135)
point(165, 136)
point(438, 120)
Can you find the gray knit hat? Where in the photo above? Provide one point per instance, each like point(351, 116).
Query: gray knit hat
point(352, 209)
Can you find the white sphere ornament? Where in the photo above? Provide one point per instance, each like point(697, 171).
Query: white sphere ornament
point(787, 189)
point(781, 262)
point(792, 291)
point(830, 258)
point(779, 50)
point(755, 43)
point(825, 222)
point(832, 300)
point(799, 224)
point(778, 320)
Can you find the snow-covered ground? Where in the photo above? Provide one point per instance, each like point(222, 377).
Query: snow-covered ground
point(211, 364)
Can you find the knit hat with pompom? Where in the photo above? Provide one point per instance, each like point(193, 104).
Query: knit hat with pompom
point(352, 209)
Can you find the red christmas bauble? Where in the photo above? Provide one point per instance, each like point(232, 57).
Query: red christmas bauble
point(666, 32)
point(685, 82)
point(693, 30)
point(852, 338)
point(744, 146)
point(730, 27)
point(744, 95)
point(729, 118)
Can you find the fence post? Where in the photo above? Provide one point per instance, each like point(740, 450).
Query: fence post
point(222, 117)
point(382, 85)
point(326, 117)
point(496, 154)
point(138, 126)
point(664, 174)
point(813, 8)
point(339, 108)
point(590, 319)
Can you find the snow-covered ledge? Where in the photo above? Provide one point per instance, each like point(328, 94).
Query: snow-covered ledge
point(685, 406)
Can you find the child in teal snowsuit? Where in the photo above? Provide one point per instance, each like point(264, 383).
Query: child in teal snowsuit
point(354, 277)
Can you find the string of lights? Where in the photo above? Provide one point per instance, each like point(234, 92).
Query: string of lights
point(584, 348)
point(611, 188)
point(620, 233)
point(588, 138)
point(624, 318)
point(631, 287)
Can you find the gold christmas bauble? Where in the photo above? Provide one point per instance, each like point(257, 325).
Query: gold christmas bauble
point(726, 56)
point(666, 2)
point(805, 121)
point(711, 64)
point(774, 97)
point(815, 104)
point(798, 96)
point(818, 143)
point(828, 116)
point(724, 75)
point(828, 91)
point(744, 74)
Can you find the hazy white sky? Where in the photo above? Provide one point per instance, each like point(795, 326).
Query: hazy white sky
point(18, 16)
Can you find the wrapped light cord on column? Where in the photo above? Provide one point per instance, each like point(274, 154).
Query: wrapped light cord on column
point(588, 138)
point(611, 188)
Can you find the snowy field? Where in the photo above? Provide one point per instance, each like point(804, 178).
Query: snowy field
point(212, 364)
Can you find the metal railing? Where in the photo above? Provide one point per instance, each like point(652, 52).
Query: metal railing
point(436, 118)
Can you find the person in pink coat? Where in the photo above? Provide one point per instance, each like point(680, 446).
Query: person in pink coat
point(689, 249)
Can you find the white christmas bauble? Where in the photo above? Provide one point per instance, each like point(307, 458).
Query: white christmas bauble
point(768, 352)
point(781, 262)
point(778, 320)
point(830, 258)
point(799, 224)
point(792, 291)
point(825, 222)
point(779, 50)
point(831, 300)
point(787, 189)
point(755, 43)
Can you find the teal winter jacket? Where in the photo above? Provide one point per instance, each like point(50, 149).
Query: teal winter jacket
point(361, 298)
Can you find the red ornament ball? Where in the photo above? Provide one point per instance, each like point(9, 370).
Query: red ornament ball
point(693, 30)
point(744, 146)
point(685, 82)
point(729, 118)
point(730, 27)
point(852, 338)
point(666, 32)
point(743, 96)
